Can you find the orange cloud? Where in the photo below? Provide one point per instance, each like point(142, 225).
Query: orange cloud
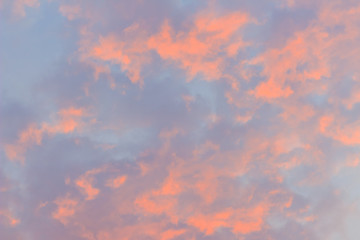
point(348, 135)
point(110, 50)
point(242, 221)
point(130, 53)
point(285, 144)
point(324, 123)
point(225, 167)
point(8, 218)
point(87, 188)
point(116, 182)
point(252, 220)
point(172, 233)
point(303, 59)
point(85, 183)
point(158, 204)
point(209, 223)
point(337, 128)
point(272, 89)
point(171, 185)
point(203, 49)
point(353, 163)
point(243, 118)
point(199, 49)
point(68, 120)
point(66, 208)
point(296, 112)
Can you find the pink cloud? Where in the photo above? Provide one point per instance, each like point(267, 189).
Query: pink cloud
point(66, 208)
point(197, 51)
point(20, 5)
point(221, 121)
point(68, 121)
point(71, 12)
point(6, 217)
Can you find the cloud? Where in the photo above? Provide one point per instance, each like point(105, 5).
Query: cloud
point(198, 50)
point(69, 120)
point(202, 49)
point(8, 218)
point(19, 6)
point(66, 208)
point(183, 120)
point(70, 11)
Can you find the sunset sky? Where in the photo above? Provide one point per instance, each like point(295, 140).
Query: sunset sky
point(180, 119)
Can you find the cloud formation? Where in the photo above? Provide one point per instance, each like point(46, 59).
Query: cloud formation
point(180, 120)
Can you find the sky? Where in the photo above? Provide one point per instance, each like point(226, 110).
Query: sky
point(179, 119)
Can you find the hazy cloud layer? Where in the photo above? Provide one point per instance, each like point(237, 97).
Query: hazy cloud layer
point(179, 120)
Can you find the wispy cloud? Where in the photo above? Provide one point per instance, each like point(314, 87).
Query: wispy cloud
point(180, 120)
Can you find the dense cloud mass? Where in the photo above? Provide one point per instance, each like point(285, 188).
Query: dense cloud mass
point(140, 120)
